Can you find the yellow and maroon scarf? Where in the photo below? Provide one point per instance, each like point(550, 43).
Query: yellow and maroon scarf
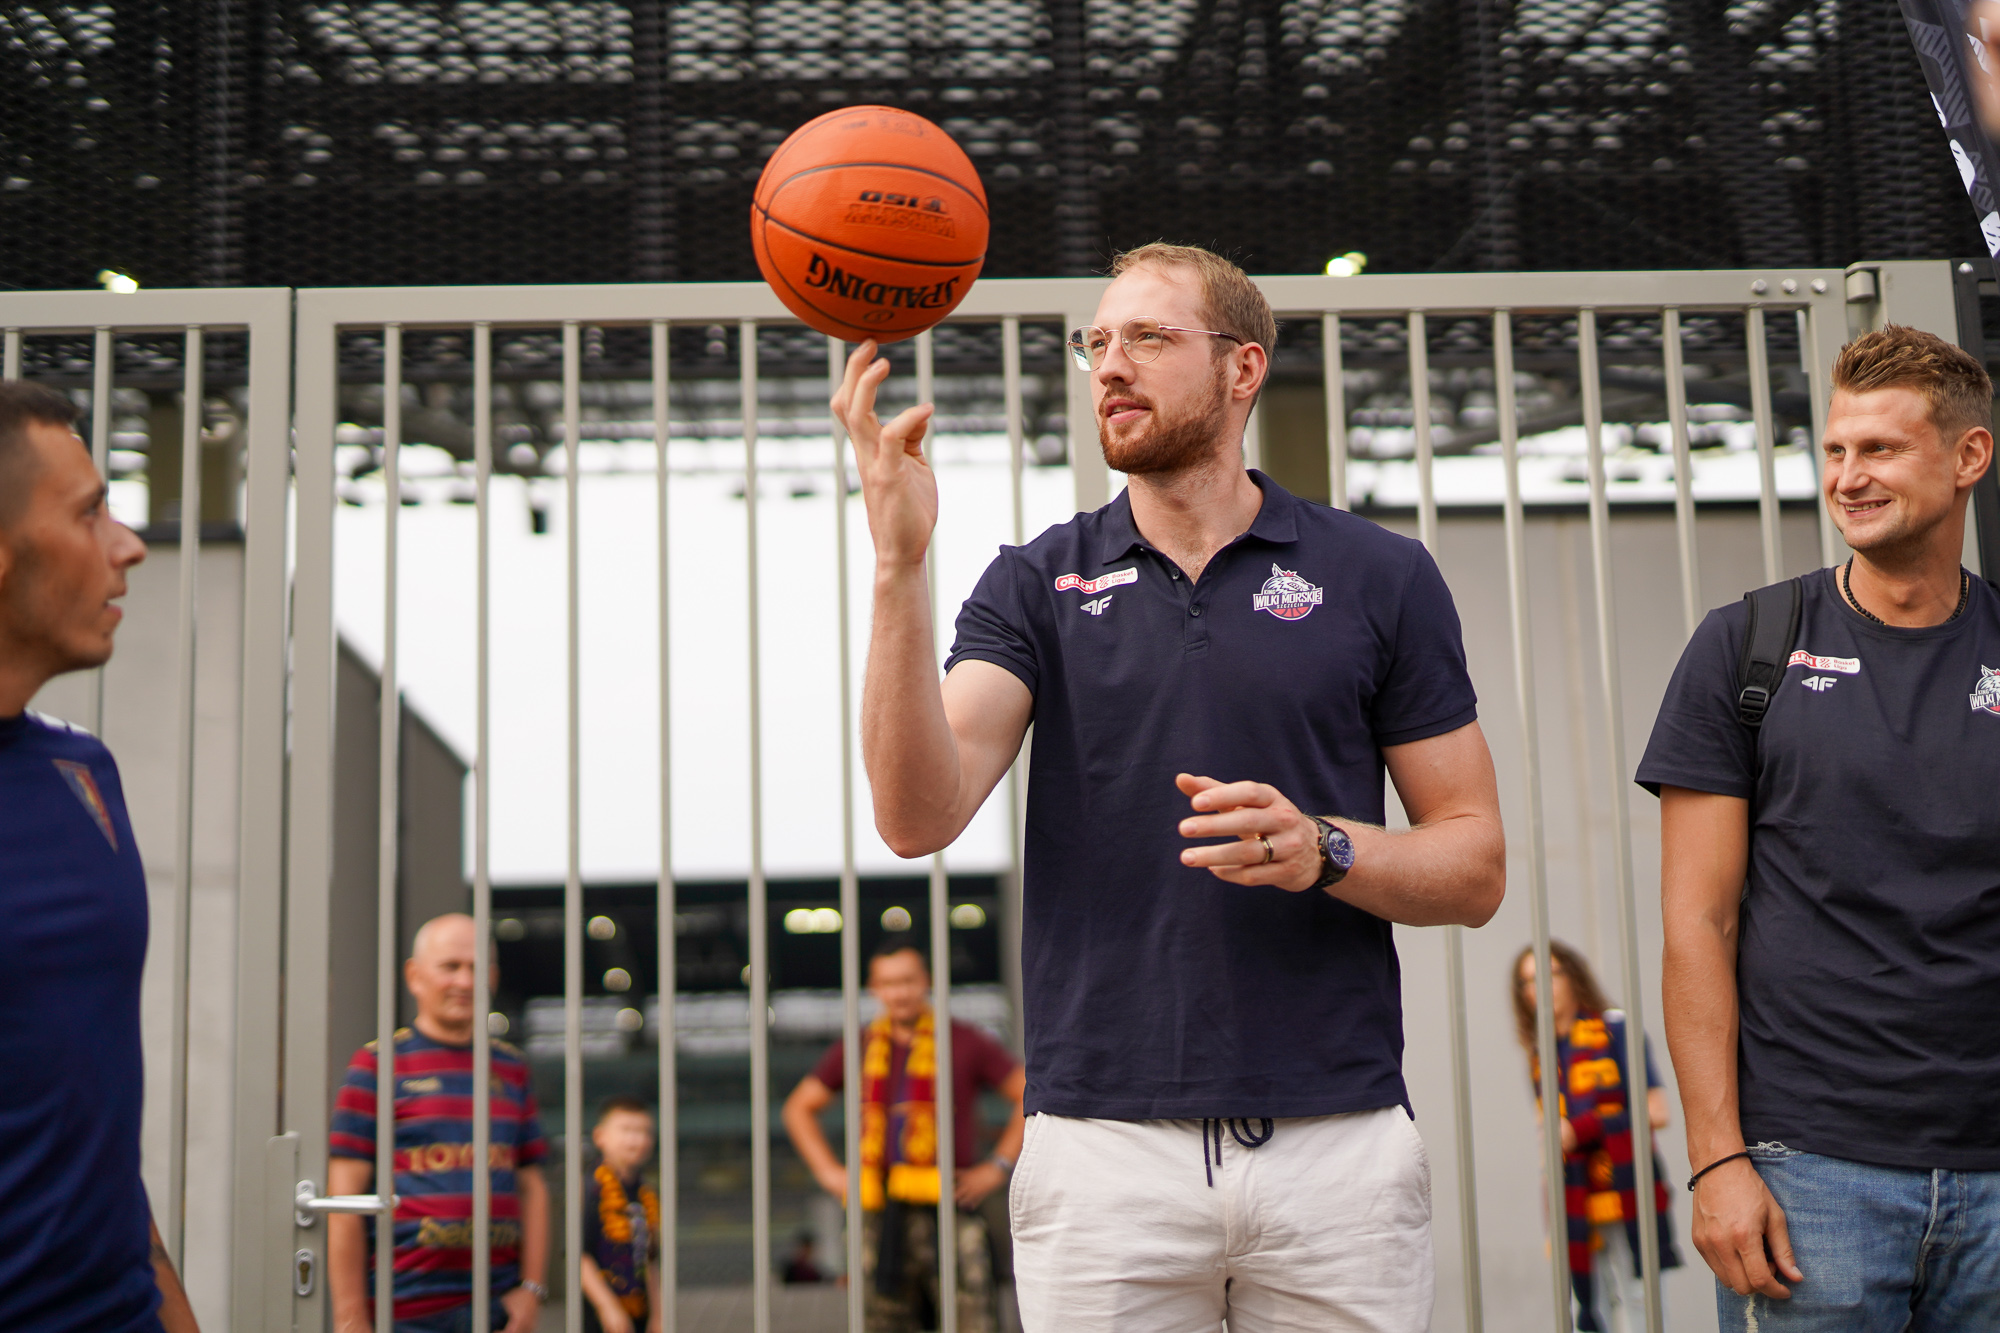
point(624, 1271)
point(913, 1176)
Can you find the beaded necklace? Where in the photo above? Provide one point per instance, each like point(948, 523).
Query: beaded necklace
point(1964, 590)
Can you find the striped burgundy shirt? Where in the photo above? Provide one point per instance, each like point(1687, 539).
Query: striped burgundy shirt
point(434, 1163)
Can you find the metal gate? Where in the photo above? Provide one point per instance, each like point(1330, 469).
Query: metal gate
point(286, 788)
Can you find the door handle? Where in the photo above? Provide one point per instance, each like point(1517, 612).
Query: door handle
point(310, 1203)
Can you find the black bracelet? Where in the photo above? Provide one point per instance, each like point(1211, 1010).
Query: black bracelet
point(1712, 1165)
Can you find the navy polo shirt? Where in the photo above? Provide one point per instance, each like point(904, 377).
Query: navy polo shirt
point(1153, 990)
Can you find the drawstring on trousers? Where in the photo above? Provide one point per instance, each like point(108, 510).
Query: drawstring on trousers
point(1240, 1131)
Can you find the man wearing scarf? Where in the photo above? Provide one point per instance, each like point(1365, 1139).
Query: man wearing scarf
point(899, 1168)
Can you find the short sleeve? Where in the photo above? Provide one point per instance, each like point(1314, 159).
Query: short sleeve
point(832, 1067)
point(1698, 741)
point(593, 1214)
point(990, 1063)
point(1426, 691)
point(534, 1145)
point(352, 1133)
point(993, 626)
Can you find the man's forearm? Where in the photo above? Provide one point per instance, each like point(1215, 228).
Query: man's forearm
point(1698, 994)
point(809, 1139)
point(347, 1266)
point(176, 1315)
point(906, 741)
point(534, 1191)
point(1452, 872)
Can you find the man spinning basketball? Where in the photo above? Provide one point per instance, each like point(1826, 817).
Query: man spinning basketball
point(1218, 1124)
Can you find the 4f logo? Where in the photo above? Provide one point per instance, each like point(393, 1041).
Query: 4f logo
point(1819, 684)
point(1098, 607)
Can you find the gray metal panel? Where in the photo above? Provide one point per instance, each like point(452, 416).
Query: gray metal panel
point(310, 817)
point(261, 806)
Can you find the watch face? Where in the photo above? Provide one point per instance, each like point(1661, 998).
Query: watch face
point(1339, 847)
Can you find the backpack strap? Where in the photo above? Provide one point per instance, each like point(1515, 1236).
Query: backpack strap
point(1767, 647)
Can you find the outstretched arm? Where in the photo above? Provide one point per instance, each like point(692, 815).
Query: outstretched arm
point(933, 753)
point(1704, 854)
point(1450, 868)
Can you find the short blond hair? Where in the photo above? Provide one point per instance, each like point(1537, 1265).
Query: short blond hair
point(1230, 302)
point(1954, 385)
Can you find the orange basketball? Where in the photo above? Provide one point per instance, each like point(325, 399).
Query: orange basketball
point(869, 222)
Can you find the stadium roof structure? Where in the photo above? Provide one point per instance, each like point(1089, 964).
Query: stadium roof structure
point(333, 142)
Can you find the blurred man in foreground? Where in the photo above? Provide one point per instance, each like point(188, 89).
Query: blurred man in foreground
point(434, 1166)
point(900, 1180)
point(78, 1249)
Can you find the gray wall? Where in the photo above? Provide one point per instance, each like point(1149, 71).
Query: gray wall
point(430, 847)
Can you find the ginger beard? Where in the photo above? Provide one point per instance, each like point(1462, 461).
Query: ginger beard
point(1164, 442)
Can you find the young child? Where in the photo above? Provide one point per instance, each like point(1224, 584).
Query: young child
point(621, 1225)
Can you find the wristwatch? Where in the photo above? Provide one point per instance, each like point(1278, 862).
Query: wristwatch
point(541, 1293)
point(1336, 852)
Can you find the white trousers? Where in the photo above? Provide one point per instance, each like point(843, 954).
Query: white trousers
point(1134, 1226)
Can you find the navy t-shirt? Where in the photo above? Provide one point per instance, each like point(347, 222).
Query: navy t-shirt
point(1868, 961)
point(1152, 989)
point(75, 1252)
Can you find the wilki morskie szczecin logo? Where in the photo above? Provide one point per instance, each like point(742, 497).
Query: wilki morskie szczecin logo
point(1986, 696)
point(1286, 595)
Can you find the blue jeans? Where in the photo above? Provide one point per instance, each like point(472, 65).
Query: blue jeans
point(1883, 1249)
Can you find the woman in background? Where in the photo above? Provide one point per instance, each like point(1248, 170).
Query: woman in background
point(1599, 1182)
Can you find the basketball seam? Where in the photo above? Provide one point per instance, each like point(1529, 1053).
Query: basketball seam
point(814, 306)
point(899, 166)
point(870, 254)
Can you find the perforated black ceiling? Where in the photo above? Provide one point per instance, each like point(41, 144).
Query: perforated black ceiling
point(424, 141)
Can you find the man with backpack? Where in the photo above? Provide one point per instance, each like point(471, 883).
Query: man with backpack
point(1827, 759)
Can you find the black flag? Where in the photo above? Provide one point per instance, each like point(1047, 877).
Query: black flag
point(1950, 59)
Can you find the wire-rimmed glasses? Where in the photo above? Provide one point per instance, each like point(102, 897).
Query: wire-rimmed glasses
point(1143, 337)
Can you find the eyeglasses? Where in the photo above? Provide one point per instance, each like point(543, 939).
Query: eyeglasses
point(1144, 339)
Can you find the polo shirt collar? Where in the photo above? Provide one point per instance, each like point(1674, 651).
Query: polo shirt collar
point(1277, 520)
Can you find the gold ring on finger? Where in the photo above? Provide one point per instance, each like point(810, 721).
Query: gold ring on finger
point(1270, 852)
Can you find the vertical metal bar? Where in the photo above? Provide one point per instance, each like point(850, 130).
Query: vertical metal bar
point(760, 949)
point(1012, 895)
point(573, 1131)
point(666, 905)
point(261, 1172)
point(1089, 474)
point(1819, 376)
point(482, 870)
point(100, 455)
point(1621, 818)
point(190, 558)
point(389, 716)
point(850, 885)
point(1767, 467)
point(1253, 438)
point(1677, 424)
point(10, 355)
point(940, 909)
point(1454, 943)
point(1336, 410)
point(1554, 1195)
point(1420, 409)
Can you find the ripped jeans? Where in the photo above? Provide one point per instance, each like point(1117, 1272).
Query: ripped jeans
point(1883, 1249)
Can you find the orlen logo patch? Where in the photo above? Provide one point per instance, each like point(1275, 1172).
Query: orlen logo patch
point(1090, 587)
point(1846, 666)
